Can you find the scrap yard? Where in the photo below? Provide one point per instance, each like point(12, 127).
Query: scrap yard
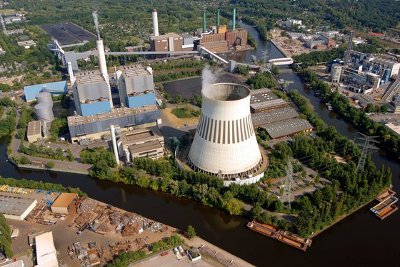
point(386, 206)
point(86, 232)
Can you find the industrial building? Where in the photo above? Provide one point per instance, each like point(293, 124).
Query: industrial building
point(225, 142)
point(139, 143)
point(89, 128)
point(171, 42)
point(34, 131)
point(286, 128)
point(63, 203)
point(264, 99)
point(18, 263)
point(136, 86)
point(55, 88)
point(336, 72)
point(16, 207)
point(279, 114)
point(92, 94)
point(46, 254)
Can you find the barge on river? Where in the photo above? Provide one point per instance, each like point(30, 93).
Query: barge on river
point(386, 206)
point(285, 237)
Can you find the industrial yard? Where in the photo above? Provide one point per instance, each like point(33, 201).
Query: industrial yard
point(91, 233)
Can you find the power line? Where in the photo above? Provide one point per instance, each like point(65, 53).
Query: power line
point(367, 145)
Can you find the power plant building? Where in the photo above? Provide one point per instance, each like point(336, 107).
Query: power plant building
point(34, 131)
point(89, 128)
point(136, 87)
point(225, 142)
point(91, 94)
point(139, 143)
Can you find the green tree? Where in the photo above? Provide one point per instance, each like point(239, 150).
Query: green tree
point(190, 232)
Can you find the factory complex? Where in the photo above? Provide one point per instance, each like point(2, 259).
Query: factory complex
point(218, 38)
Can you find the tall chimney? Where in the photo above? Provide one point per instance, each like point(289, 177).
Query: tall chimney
point(103, 67)
point(217, 18)
point(204, 22)
point(155, 23)
point(114, 143)
point(234, 19)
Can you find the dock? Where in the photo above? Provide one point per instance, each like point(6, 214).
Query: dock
point(386, 206)
point(285, 237)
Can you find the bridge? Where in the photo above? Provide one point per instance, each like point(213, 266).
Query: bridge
point(73, 57)
point(281, 61)
point(212, 54)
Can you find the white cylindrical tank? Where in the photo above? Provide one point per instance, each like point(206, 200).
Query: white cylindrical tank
point(155, 23)
point(225, 142)
point(44, 107)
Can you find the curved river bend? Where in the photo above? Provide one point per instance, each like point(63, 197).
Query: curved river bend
point(359, 240)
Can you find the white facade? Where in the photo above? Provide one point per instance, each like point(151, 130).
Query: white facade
point(336, 73)
point(225, 142)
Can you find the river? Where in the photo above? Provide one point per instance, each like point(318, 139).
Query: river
point(359, 240)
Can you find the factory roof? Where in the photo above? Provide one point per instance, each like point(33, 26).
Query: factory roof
point(14, 205)
point(143, 147)
point(381, 60)
point(64, 200)
point(89, 77)
point(274, 115)
point(31, 91)
point(140, 135)
point(134, 71)
point(18, 263)
point(286, 128)
point(115, 113)
point(261, 95)
point(164, 36)
point(34, 128)
point(265, 99)
point(46, 254)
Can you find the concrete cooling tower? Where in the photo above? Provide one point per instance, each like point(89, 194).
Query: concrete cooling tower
point(44, 107)
point(225, 143)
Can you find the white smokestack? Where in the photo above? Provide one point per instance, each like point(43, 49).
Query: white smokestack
point(103, 67)
point(72, 78)
point(114, 143)
point(155, 23)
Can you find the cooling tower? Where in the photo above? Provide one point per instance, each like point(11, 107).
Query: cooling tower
point(44, 107)
point(225, 143)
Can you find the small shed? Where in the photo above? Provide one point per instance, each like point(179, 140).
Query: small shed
point(63, 202)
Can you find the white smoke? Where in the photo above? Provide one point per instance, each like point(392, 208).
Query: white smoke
point(96, 23)
point(209, 76)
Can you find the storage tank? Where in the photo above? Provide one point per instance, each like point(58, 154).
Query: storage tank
point(44, 107)
point(225, 142)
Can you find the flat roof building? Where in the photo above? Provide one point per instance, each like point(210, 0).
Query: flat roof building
point(34, 131)
point(139, 143)
point(63, 202)
point(96, 126)
point(287, 127)
point(265, 99)
point(91, 94)
point(279, 114)
point(16, 207)
point(46, 254)
point(136, 86)
point(169, 42)
point(55, 88)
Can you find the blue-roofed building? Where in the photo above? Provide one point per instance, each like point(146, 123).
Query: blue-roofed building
point(91, 94)
point(136, 87)
point(55, 88)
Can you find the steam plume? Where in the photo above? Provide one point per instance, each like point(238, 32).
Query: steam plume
point(96, 24)
point(209, 76)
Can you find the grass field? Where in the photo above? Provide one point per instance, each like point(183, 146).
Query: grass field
point(185, 112)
